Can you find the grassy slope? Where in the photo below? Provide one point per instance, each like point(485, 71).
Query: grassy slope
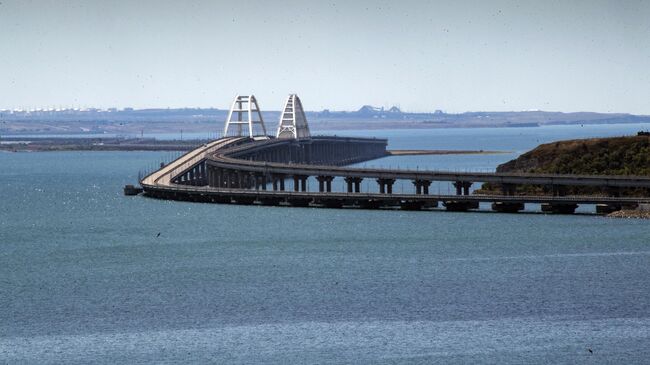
point(598, 156)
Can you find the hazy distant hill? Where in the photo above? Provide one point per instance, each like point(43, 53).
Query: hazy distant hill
point(211, 119)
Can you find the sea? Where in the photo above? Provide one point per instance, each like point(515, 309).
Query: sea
point(90, 276)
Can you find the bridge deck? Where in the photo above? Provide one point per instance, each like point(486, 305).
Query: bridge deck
point(223, 160)
point(164, 175)
point(206, 192)
point(229, 154)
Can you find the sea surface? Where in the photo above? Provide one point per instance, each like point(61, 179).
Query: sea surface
point(88, 275)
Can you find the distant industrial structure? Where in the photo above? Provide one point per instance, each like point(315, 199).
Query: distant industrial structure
point(247, 166)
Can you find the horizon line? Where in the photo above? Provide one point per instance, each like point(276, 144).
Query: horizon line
point(441, 111)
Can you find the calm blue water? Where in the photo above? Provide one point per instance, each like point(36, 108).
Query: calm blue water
point(85, 278)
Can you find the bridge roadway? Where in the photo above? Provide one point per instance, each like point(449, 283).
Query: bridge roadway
point(201, 168)
point(223, 160)
point(164, 176)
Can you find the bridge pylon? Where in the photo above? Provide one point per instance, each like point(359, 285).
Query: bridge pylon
point(244, 105)
point(293, 123)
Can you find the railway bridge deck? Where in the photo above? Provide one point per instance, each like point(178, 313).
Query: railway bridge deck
point(249, 167)
point(274, 172)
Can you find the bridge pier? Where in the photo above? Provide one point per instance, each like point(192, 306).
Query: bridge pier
point(559, 208)
point(240, 179)
point(260, 181)
point(460, 206)
point(422, 186)
point(325, 183)
point(300, 183)
point(411, 204)
point(251, 181)
point(385, 185)
point(613, 207)
point(278, 181)
point(607, 208)
point(462, 187)
point(228, 179)
point(298, 201)
point(507, 207)
point(354, 184)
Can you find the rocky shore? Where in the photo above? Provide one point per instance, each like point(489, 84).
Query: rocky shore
point(642, 212)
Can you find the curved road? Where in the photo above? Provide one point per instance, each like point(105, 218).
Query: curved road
point(163, 176)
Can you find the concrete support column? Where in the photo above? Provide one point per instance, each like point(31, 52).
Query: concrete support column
point(422, 186)
point(462, 187)
point(256, 181)
point(459, 187)
point(218, 177)
point(300, 182)
point(354, 184)
point(385, 185)
point(466, 186)
point(278, 181)
point(228, 179)
point(559, 208)
point(240, 179)
point(325, 183)
point(296, 183)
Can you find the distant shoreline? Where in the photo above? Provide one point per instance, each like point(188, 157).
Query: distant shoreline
point(116, 144)
point(152, 121)
point(54, 144)
point(442, 152)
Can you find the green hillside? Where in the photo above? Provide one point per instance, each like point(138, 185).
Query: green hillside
point(597, 156)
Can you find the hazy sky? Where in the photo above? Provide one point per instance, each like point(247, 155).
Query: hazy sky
point(420, 55)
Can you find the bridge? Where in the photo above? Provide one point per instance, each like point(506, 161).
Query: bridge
point(249, 167)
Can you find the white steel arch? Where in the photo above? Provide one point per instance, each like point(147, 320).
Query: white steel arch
point(244, 104)
point(293, 122)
